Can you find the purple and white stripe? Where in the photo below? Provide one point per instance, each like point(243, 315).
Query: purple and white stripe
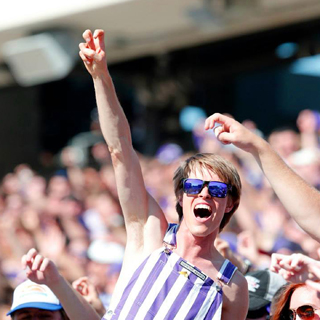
point(227, 271)
point(157, 291)
point(170, 236)
point(166, 287)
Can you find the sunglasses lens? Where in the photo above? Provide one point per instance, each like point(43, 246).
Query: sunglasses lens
point(305, 312)
point(218, 189)
point(192, 186)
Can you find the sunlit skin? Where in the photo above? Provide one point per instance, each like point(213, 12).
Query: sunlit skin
point(203, 227)
point(36, 314)
point(201, 232)
point(306, 296)
point(144, 219)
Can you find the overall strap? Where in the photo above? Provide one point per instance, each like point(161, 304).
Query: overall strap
point(170, 236)
point(226, 271)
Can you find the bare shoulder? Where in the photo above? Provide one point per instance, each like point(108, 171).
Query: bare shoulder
point(235, 298)
point(237, 288)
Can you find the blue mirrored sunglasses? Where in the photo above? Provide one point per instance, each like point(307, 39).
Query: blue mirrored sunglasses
point(216, 188)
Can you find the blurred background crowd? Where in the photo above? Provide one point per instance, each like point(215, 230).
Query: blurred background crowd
point(74, 218)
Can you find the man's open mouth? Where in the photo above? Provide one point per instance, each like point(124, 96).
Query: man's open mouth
point(202, 211)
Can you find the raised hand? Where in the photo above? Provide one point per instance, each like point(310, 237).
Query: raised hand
point(223, 247)
point(52, 243)
point(92, 52)
point(85, 288)
point(231, 131)
point(89, 292)
point(296, 267)
point(307, 121)
point(247, 246)
point(39, 269)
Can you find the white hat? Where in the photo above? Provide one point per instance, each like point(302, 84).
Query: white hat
point(32, 295)
point(105, 252)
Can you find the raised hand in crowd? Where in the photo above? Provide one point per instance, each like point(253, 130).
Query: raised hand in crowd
point(223, 247)
point(296, 267)
point(247, 248)
point(308, 123)
point(136, 203)
point(144, 219)
point(41, 270)
point(90, 293)
point(92, 52)
point(300, 199)
point(53, 241)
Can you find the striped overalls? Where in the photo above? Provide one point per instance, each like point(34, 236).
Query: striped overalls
point(167, 287)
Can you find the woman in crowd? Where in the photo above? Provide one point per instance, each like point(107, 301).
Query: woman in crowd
point(298, 301)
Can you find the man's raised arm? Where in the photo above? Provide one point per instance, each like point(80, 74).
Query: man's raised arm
point(136, 204)
point(300, 199)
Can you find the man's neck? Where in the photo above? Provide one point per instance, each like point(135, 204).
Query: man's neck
point(191, 247)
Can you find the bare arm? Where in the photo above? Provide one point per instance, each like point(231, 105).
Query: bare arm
point(140, 211)
point(300, 199)
point(43, 271)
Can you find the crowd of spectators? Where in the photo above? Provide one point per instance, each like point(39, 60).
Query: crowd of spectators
point(74, 217)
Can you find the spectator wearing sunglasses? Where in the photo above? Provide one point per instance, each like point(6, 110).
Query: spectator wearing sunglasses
point(300, 199)
point(297, 301)
point(177, 274)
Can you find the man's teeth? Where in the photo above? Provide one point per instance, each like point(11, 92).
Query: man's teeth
point(203, 206)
